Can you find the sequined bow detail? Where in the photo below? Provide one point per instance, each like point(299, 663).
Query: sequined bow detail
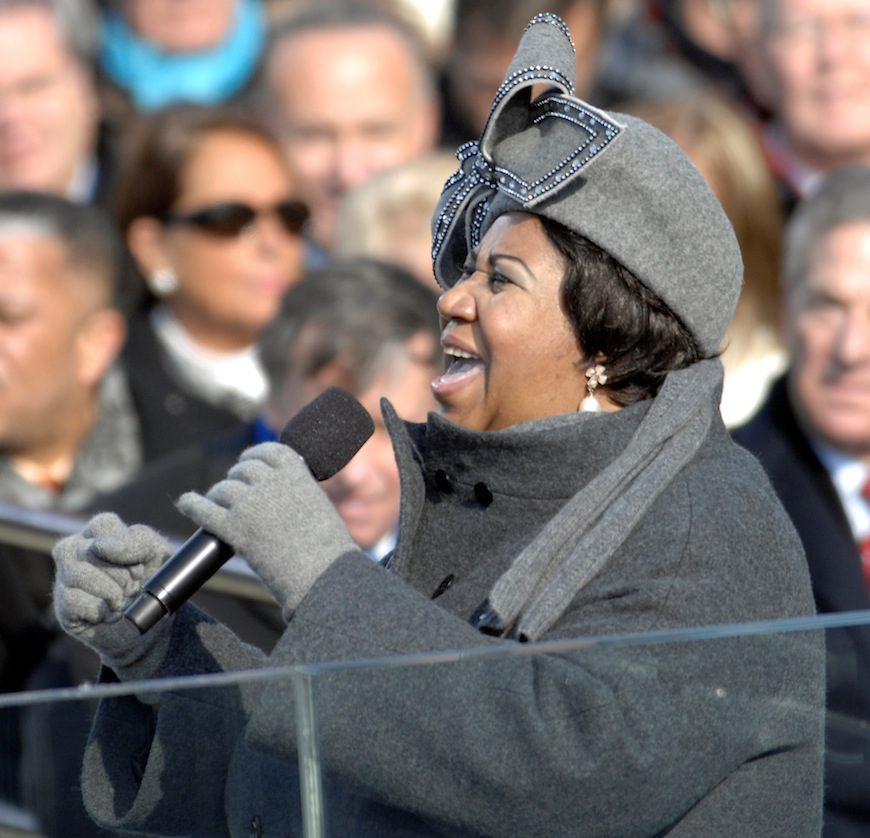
point(528, 151)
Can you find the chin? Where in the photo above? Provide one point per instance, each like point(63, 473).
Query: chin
point(365, 540)
point(848, 435)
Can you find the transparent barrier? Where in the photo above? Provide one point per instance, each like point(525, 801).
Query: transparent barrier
point(694, 731)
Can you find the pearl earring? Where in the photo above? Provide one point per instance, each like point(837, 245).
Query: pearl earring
point(163, 282)
point(595, 376)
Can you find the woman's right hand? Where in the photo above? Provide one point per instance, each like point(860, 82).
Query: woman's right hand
point(98, 574)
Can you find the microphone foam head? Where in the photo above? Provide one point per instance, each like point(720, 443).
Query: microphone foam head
point(328, 431)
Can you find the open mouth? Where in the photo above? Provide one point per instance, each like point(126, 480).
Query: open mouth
point(459, 367)
point(458, 360)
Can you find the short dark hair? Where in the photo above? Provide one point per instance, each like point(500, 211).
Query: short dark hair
point(841, 197)
point(158, 148)
point(358, 311)
point(90, 238)
point(618, 321)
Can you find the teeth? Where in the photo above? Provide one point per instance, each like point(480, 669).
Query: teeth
point(459, 353)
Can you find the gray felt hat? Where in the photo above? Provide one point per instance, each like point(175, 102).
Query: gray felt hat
point(610, 177)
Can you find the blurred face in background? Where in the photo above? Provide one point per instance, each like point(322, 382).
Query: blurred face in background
point(818, 52)
point(829, 338)
point(366, 491)
point(48, 105)
point(57, 336)
point(229, 285)
point(180, 25)
point(349, 103)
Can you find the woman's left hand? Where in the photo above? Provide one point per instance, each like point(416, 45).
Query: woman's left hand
point(272, 512)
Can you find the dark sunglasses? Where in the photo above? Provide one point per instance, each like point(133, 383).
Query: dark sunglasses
point(233, 218)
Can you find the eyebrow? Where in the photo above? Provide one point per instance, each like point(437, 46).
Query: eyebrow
point(495, 257)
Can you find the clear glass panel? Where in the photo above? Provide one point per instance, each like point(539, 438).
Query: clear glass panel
point(713, 731)
point(710, 732)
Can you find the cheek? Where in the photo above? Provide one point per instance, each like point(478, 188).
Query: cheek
point(205, 266)
point(309, 163)
point(388, 475)
point(380, 462)
point(814, 335)
point(793, 71)
point(193, 285)
point(812, 348)
point(560, 346)
point(51, 350)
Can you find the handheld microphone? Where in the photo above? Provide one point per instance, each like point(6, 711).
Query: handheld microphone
point(326, 433)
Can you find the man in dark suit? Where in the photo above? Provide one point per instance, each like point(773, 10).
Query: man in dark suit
point(813, 437)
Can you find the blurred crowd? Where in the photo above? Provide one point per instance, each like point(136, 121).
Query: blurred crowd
point(213, 210)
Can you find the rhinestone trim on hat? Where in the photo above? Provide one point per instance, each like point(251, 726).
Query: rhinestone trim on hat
point(467, 154)
point(480, 213)
point(555, 20)
point(538, 72)
point(595, 133)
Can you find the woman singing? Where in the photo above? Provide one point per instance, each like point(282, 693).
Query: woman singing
point(578, 481)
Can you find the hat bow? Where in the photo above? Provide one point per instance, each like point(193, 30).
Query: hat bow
point(528, 151)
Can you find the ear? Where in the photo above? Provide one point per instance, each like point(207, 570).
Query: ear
point(145, 239)
point(98, 343)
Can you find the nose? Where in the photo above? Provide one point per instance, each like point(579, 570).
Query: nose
point(351, 166)
point(457, 303)
point(269, 233)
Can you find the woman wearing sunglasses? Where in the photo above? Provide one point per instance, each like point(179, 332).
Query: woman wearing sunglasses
point(206, 206)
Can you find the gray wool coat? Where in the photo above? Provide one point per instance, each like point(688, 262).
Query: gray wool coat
point(705, 738)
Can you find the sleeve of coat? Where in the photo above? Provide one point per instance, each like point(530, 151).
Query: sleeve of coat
point(157, 762)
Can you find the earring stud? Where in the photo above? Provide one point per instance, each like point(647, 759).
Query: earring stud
point(163, 282)
point(595, 377)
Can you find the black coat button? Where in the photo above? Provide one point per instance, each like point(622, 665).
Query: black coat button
point(445, 584)
point(486, 621)
point(443, 481)
point(482, 493)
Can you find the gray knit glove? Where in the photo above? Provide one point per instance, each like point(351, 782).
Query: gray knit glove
point(98, 573)
point(272, 512)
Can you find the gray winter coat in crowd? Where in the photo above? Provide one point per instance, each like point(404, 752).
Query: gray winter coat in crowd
point(705, 738)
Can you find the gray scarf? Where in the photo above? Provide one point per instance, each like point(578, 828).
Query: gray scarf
point(580, 539)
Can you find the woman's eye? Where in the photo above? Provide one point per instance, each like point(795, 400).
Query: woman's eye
point(497, 280)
